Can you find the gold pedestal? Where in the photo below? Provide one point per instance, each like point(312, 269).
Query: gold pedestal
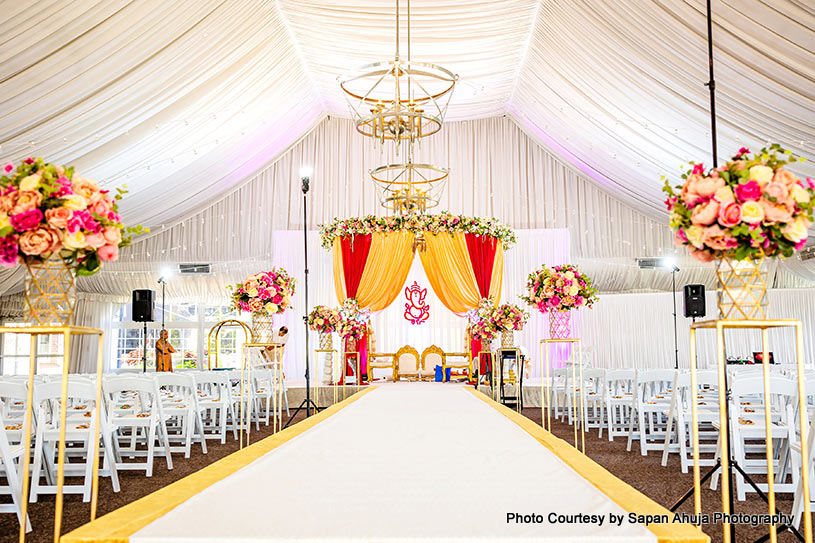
point(66, 332)
point(317, 357)
point(276, 384)
point(720, 325)
point(546, 389)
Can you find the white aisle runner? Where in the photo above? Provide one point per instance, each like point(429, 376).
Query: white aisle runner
point(407, 461)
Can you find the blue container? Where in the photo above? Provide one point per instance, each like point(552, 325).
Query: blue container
point(439, 378)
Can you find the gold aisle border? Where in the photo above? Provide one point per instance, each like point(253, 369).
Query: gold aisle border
point(618, 491)
point(66, 332)
point(249, 336)
point(117, 526)
point(578, 402)
point(720, 325)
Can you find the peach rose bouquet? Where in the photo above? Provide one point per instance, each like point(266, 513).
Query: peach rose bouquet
point(265, 292)
point(324, 319)
point(48, 210)
point(749, 205)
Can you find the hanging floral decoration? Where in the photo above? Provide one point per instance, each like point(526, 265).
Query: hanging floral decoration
point(268, 292)
point(748, 206)
point(417, 223)
point(559, 288)
point(50, 210)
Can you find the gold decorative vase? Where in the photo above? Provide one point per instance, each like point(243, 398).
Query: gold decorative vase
point(559, 324)
point(742, 288)
point(262, 327)
point(50, 292)
point(326, 341)
point(507, 338)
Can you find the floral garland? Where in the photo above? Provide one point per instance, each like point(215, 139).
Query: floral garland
point(47, 210)
point(269, 292)
point(324, 319)
point(509, 317)
point(434, 224)
point(742, 208)
point(560, 288)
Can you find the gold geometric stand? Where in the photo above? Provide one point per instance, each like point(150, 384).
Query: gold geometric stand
point(578, 404)
point(66, 332)
point(720, 325)
point(277, 378)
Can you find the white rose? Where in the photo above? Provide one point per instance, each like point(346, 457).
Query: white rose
point(724, 195)
point(573, 290)
point(799, 194)
point(74, 241)
point(30, 182)
point(252, 293)
point(694, 235)
point(761, 174)
point(796, 231)
point(75, 202)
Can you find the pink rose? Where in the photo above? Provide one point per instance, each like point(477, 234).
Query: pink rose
point(83, 187)
point(27, 220)
point(705, 214)
point(244, 306)
point(784, 177)
point(94, 240)
point(8, 251)
point(705, 187)
point(40, 241)
point(8, 167)
point(255, 304)
point(277, 299)
point(7, 202)
point(778, 192)
point(680, 238)
point(112, 235)
point(775, 213)
point(750, 191)
point(702, 255)
point(101, 208)
point(730, 214)
point(58, 217)
point(26, 201)
point(716, 238)
point(108, 253)
point(554, 301)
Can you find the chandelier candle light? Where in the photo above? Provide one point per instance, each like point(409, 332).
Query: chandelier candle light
point(264, 295)
point(402, 101)
point(740, 214)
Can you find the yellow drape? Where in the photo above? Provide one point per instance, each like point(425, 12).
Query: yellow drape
point(447, 264)
point(385, 270)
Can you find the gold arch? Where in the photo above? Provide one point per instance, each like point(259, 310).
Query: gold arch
point(249, 335)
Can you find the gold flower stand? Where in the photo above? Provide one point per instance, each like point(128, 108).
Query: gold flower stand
point(275, 361)
point(720, 325)
point(357, 376)
point(66, 332)
point(333, 359)
point(578, 403)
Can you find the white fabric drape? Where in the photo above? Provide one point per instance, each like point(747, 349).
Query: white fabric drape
point(95, 313)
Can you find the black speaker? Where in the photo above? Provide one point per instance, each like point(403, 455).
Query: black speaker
point(694, 300)
point(144, 305)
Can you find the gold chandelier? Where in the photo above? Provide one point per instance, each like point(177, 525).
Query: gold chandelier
point(402, 101)
point(398, 99)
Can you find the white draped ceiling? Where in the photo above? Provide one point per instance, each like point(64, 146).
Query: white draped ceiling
point(189, 99)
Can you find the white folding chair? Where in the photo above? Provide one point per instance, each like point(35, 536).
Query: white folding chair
point(79, 424)
point(654, 389)
point(678, 436)
point(214, 403)
point(11, 463)
point(179, 408)
point(621, 386)
point(134, 405)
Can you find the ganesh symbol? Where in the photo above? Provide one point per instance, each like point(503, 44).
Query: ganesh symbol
point(417, 310)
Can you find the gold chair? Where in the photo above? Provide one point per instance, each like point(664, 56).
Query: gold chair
point(406, 363)
point(431, 357)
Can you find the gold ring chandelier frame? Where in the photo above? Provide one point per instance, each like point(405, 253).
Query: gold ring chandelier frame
point(409, 187)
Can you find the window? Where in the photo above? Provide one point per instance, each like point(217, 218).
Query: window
point(17, 347)
point(188, 326)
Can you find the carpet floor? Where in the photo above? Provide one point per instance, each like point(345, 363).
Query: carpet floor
point(645, 473)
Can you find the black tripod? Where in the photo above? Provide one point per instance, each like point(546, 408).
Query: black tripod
point(308, 403)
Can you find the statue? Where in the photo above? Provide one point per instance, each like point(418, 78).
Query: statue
point(164, 356)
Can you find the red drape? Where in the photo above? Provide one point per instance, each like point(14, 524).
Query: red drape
point(482, 256)
point(355, 251)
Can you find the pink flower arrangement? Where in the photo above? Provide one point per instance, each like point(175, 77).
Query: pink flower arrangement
point(748, 206)
point(560, 288)
point(269, 292)
point(324, 319)
point(352, 329)
point(508, 317)
point(48, 210)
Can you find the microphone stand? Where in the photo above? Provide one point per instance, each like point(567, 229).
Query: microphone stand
point(308, 402)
